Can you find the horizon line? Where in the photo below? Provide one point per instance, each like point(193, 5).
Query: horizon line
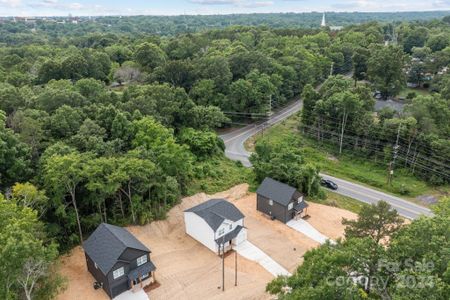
point(226, 14)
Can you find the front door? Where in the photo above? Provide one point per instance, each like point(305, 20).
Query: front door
point(143, 277)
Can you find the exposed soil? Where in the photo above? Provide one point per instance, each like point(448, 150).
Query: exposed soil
point(188, 270)
point(327, 219)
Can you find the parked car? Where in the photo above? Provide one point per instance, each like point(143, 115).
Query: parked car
point(329, 184)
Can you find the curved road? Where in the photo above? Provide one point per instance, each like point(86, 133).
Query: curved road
point(235, 150)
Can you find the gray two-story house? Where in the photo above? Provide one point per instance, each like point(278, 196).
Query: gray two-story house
point(279, 200)
point(117, 260)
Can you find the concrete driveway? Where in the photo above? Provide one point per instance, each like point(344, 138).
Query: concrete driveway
point(251, 252)
point(129, 295)
point(308, 230)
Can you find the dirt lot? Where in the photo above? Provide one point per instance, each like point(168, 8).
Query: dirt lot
point(188, 270)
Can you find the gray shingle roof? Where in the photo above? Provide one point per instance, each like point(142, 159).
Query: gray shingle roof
point(301, 206)
point(275, 190)
point(229, 236)
point(107, 243)
point(215, 211)
point(141, 270)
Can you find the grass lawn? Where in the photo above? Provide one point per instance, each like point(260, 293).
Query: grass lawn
point(418, 91)
point(347, 166)
point(340, 201)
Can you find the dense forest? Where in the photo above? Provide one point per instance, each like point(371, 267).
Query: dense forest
point(172, 25)
point(100, 125)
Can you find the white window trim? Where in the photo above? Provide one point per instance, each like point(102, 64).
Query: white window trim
point(300, 199)
point(118, 272)
point(142, 260)
point(270, 202)
point(221, 231)
point(290, 206)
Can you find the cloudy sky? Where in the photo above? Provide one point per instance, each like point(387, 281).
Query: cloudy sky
point(175, 7)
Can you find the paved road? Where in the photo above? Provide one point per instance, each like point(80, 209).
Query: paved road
point(235, 150)
point(234, 141)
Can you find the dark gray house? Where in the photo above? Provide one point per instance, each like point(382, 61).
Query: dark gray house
point(279, 200)
point(117, 260)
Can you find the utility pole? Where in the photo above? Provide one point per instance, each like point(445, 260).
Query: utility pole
point(270, 105)
point(235, 268)
point(223, 264)
point(394, 157)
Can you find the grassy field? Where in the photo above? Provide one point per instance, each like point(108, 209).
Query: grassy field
point(343, 202)
point(347, 166)
point(406, 91)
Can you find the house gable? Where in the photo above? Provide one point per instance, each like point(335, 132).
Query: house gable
point(199, 229)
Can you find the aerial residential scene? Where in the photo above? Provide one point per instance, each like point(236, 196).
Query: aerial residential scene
point(224, 149)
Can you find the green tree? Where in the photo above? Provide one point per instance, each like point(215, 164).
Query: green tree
point(14, 156)
point(310, 97)
point(385, 69)
point(286, 164)
point(62, 176)
point(201, 143)
point(119, 53)
point(65, 121)
point(26, 256)
point(174, 159)
point(438, 42)
point(133, 173)
point(149, 55)
point(360, 60)
point(74, 67)
point(27, 195)
point(377, 221)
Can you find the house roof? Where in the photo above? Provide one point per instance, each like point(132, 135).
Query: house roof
point(215, 211)
point(277, 191)
point(301, 206)
point(229, 236)
point(107, 243)
point(141, 270)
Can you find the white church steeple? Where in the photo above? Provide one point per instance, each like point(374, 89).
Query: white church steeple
point(324, 23)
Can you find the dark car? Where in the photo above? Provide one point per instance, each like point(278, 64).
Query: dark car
point(329, 184)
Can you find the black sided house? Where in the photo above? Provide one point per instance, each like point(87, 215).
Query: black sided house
point(280, 201)
point(117, 260)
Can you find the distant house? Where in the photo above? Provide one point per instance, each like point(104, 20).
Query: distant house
point(214, 223)
point(117, 260)
point(280, 201)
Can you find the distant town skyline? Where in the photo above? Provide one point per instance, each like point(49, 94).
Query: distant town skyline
point(204, 7)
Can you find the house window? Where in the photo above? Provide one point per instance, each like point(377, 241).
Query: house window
point(270, 202)
point(290, 206)
point(300, 199)
point(96, 266)
point(118, 273)
point(142, 260)
point(221, 231)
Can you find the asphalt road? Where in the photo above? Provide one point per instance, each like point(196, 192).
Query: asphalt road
point(235, 150)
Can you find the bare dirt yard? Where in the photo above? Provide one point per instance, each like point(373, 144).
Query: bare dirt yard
point(188, 270)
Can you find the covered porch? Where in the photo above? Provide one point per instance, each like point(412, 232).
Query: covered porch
point(230, 239)
point(142, 276)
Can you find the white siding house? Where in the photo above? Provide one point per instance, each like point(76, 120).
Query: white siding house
point(216, 222)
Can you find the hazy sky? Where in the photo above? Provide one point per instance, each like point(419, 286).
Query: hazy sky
point(174, 7)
